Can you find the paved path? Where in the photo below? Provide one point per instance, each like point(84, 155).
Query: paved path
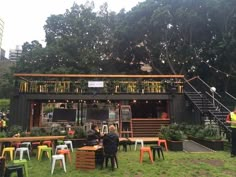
point(192, 146)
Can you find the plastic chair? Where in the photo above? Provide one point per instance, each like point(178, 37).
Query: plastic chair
point(145, 149)
point(159, 151)
point(59, 147)
point(48, 150)
point(69, 143)
point(66, 153)
point(39, 150)
point(48, 143)
point(160, 141)
point(58, 157)
point(21, 150)
point(10, 150)
point(113, 159)
point(14, 168)
point(138, 141)
point(24, 163)
point(104, 128)
point(26, 144)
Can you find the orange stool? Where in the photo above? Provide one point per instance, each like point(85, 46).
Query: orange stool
point(48, 143)
point(164, 142)
point(145, 149)
point(65, 152)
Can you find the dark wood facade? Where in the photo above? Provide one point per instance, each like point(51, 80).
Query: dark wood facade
point(33, 89)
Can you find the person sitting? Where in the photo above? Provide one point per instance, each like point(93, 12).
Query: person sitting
point(93, 136)
point(110, 145)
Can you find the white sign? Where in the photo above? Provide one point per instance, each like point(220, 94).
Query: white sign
point(95, 84)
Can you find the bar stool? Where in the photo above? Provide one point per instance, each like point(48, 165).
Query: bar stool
point(69, 143)
point(21, 150)
point(159, 151)
point(10, 150)
point(160, 141)
point(58, 157)
point(39, 150)
point(14, 168)
point(138, 141)
point(66, 153)
point(26, 144)
point(145, 149)
point(48, 143)
point(104, 127)
point(59, 147)
point(48, 150)
point(24, 163)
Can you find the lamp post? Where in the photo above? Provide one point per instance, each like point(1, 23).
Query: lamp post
point(213, 90)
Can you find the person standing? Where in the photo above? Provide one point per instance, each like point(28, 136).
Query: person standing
point(231, 118)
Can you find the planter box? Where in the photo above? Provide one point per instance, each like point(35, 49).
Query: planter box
point(175, 145)
point(217, 145)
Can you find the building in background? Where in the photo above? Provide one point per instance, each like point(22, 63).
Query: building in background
point(1, 36)
point(14, 54)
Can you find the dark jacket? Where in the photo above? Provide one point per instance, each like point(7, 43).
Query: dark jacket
point(110, 143)
point(93, 137)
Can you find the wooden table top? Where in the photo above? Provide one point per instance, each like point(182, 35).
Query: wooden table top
point(147, 139)
point(31, 138)
point(90, 148)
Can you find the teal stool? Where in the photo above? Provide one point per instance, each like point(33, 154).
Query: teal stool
point(48, 150)
point(24, 163)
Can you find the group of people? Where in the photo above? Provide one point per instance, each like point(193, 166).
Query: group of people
point(110, 141)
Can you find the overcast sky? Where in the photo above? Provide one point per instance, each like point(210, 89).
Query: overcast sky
point(24, 19)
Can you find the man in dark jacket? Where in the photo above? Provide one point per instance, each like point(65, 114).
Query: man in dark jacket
point(93, 136)
point(110, 145)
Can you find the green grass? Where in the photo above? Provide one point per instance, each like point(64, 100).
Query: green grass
point(179, 164)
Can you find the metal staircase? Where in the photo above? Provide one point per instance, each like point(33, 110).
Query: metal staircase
point(207, 104)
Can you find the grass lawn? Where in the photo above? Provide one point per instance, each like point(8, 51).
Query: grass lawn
point(181, 164)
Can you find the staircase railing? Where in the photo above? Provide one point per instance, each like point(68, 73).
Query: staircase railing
point(204, 90)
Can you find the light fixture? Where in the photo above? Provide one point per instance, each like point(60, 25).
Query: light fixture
point(213, 90)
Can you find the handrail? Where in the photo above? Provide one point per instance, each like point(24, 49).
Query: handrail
point(192, 87)
point(208, 86)
point(217, 101)
point(231, 96)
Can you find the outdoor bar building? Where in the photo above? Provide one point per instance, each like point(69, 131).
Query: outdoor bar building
point(141, 104)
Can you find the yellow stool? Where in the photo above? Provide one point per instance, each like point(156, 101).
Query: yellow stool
point(10, 150)
point(48, 150)
point(39, 149)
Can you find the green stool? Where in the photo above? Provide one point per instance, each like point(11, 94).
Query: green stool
point(59, 142)
point(48, 150)
point(22, 162)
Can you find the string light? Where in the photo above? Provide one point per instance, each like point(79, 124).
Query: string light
point(217, 70)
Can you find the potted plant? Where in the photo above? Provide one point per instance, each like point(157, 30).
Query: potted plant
point(207, 136)
point(174, 137)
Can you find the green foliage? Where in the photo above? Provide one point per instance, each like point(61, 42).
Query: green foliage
point(79, 133)
point(3, 134)
point(172, 132)
point(4, 104)
point(14, 129)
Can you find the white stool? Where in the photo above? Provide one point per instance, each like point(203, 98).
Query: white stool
point(138, 141)
point(26, 144)
point(58, 157)
point(62, 146)
point(69, 143)
point(21, 150)
point(104, 128)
